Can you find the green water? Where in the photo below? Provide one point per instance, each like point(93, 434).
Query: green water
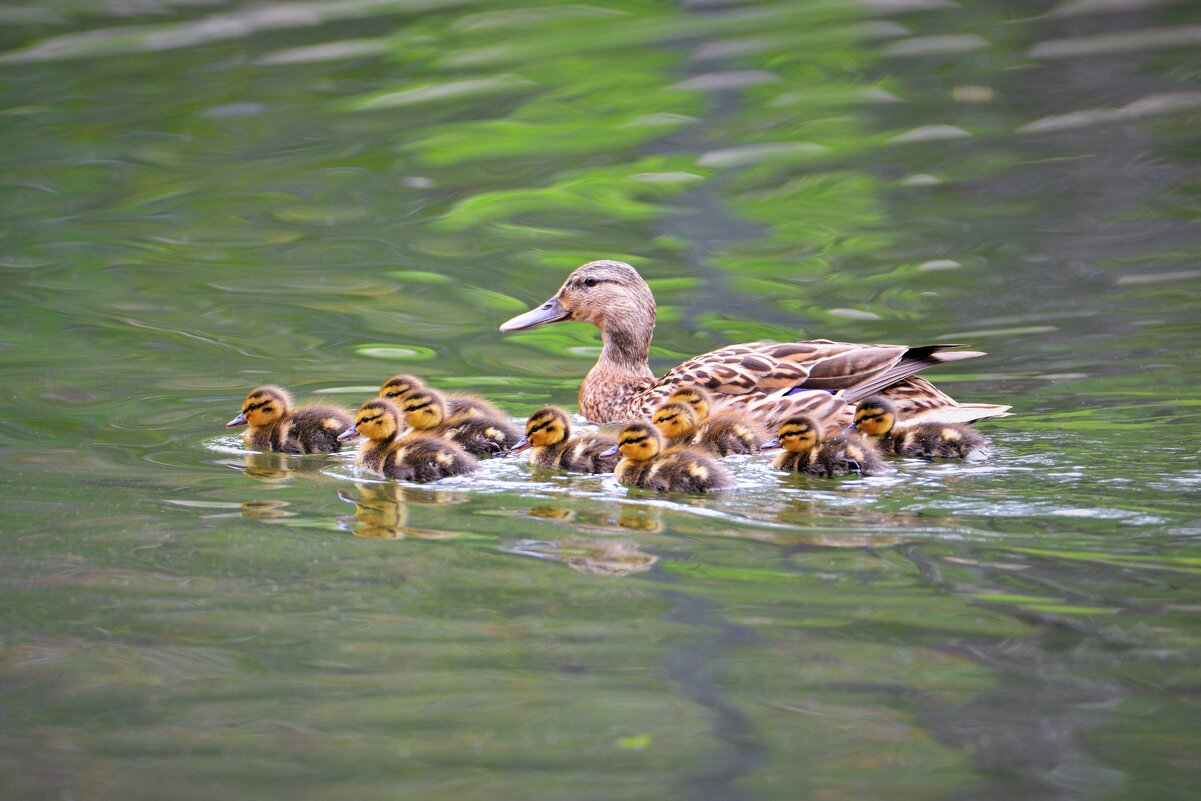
point(199, 197)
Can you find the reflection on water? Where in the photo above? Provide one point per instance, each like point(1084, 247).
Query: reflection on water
point(200, 198)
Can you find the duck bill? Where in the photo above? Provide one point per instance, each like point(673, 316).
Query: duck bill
point(521, 446)
point(240, 420)
point(611, 452)
point(348, 434)
point(550, 312)
point(771, 444)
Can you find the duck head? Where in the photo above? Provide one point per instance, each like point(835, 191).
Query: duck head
point(799, 434)
point(603, 293)
point(674, 420)
point(546, 427)
point(263, 407)
point(695, 397)
point(637, 442)
point(875, 416)
point(398, 386)
point(376, 420)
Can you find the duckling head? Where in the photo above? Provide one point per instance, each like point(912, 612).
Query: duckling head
point(376, 420)
point(674, 420)
point(639, 442)
point(424, 409)
point(263, 407)
point(875, 416)
point(799, 434)
point(547, 426)
point(605, 293)
point(695, 397)
point(396, 387)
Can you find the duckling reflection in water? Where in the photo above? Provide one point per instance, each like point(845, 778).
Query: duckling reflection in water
point(413, 458)
point(807, 451)
point(548, 435)
point(723, 433)
point(382, 512)
point(594, 557)
point(644, 464)
point(276, 426)
point(274, 466)
point(426, 414)
point(877, 418)
point(399, 387)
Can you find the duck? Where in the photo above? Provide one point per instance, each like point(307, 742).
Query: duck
point(398, 387)
point(275, 424)
point(877, 418)
point(384, 452)
point(646, 465)
point(426, 413)
point(548, 433)
point(807, 451)
point(769, 381)
point(723, 433)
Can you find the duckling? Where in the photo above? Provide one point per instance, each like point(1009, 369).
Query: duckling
point(418, 458)
point(548, 432)
point(645, 464)
point(685, 420)
point(677, 423)
point(806, 451)
point(398, 387)
point(876, 417)
point(426, 414)
point(276, 426)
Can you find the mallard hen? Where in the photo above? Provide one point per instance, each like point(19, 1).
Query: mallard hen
point(770, 381)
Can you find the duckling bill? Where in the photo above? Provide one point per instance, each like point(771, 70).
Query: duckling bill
point(274, 425)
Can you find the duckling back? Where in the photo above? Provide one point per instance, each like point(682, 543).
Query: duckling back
point(686, 471)
point(315, 429)
point(582, 454)
point(425, 458)
point(846, 453)
point(480, 433)
point(937, 441)
point(727, 432)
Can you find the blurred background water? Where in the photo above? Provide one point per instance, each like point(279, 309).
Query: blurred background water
point(199, 196)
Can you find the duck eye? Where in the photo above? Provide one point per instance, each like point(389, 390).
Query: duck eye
point(590, 282)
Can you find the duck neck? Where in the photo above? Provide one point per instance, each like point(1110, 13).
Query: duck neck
point(620, 373)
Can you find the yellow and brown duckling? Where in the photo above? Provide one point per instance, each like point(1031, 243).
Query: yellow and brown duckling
point(548, 434)
point(646, 465)
point(685, 421)
point(877, 419)
point(426, 413)
point(807, 451)
point(275, 425)
point(411, 458)
point(399, 387)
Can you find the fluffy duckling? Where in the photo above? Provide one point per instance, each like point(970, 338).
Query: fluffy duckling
point(876, 418)
point(807, 451)
point(548, 432)
point(645, 464)
point(723, 433)
point(426, 413)
point(276, 426)
point(398, 387)
point(677, 422)
point(418, 458)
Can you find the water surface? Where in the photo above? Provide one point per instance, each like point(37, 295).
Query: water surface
point(200, 197)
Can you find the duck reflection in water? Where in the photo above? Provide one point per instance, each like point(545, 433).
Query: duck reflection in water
point(382, 511)
point(594, 557)
point(627, 517)
point(272, 466)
